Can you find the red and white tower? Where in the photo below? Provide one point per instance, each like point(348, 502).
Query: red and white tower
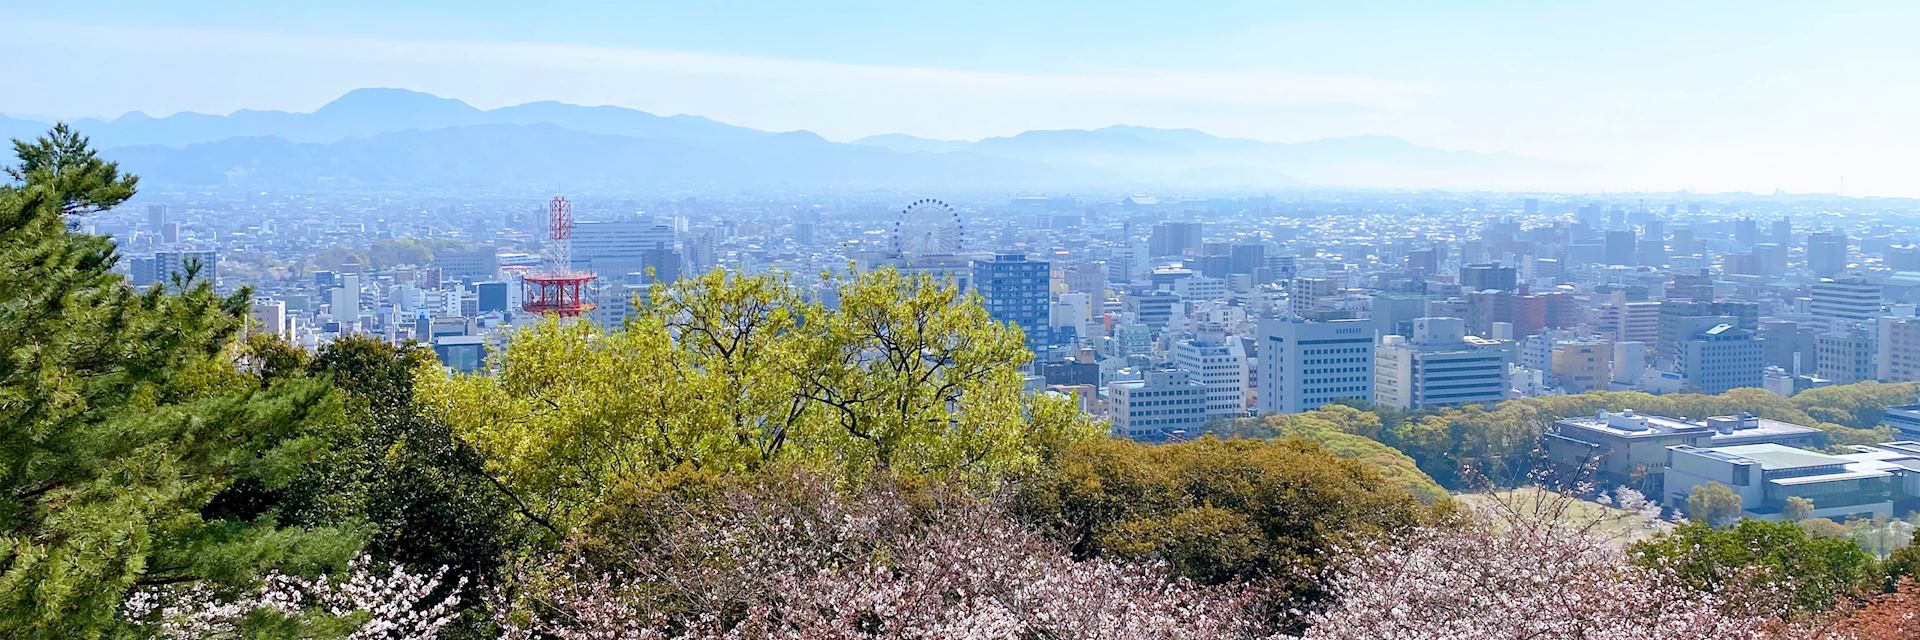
point(557, 288)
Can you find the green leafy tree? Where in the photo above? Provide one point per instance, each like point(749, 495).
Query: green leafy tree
point(1714, 504)
point(1901, 566)
point(1814, 571)
point(731, 374)
point(1217, 510)
point(1797, 509)
point(134, 450)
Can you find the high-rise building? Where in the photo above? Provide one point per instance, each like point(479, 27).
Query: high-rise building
point(1439, 366)
point(204, 265)
point(156, 217)
point(1623, 321)
point(1842, 301)
point(613, 249)
point(1720, 358)
point(1151, 308)
point(1219, 363)
point(1483, 277)
point(1164, 404)
point(1899, 350)
point(1174, 238)
point(479, 263)
point(1246, 258)
point(1014, 291)
point(1620, 247)
point(269, 317)
point(492, 296)
point(1581, 365)
point(1826, 253)
point(1680, 319)
point(1307, 295)
point(1305, 365)
point(1845, 355)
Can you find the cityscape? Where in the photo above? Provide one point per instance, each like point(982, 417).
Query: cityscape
point(418, 362)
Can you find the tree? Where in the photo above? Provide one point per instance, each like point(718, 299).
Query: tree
point(1813, 571)
point(1714, 504)
point(133, 449)
point(1797, 508)
point(1334, 427)
point(781, 555)
point(1216, 510)
point(733, 374)
point(1501, 576)
point(429, 501)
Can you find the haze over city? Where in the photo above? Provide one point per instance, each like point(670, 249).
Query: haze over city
point(861, 320)
point(1614, 96)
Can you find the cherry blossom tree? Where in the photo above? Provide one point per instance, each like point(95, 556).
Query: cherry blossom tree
point(365, 605)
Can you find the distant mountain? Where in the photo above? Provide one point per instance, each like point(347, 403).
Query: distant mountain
point(913, 144)
point(396, 138)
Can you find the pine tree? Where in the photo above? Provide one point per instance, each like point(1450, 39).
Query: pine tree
point(133, 452)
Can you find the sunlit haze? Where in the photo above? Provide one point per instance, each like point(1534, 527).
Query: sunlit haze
point(1617, 96)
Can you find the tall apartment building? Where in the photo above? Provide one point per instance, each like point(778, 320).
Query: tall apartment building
point(1014, 291)
point(168, 264)
point(1174, 238)
point(1306, 365)
point(1219, 363)
point(1164, 404)
point(1439, 366)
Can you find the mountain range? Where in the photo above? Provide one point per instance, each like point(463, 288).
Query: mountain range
point(401, 139)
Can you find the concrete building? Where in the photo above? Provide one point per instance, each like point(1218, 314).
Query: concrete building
point(1841, 301)
point(1439, 366)
point(1490, 276)
point(1014, 291)
point(1306, 365)
point(1766, 475)
point(1174, 238)
point(1165, 404)
point(1845, 356)
point(1826, 253)
point(1631, 448)
point(1905, 420)
point(1219, 363)
point(1898, 350)
point(1721, 358)
point(269, 317)
point(1582, 365)
point(613, 249)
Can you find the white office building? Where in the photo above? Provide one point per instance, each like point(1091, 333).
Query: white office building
point(1219, 363)
point(1306, 365)
point(1438, 367)
point(1165, 404)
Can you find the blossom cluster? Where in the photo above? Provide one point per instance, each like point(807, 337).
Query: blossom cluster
point(374, 605)
point(868, 566)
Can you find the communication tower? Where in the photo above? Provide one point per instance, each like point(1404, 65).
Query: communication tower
point(557, 288)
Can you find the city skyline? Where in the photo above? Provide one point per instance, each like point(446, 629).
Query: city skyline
point(1704, 98)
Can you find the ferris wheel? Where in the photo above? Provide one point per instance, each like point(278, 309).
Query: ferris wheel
point(928, 227)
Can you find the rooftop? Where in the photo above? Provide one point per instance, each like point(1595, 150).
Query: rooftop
point(1777, 456)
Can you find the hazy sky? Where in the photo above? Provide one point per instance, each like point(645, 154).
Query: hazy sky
point(1654, 95)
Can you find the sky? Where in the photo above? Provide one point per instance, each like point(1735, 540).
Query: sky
point(1701, 95)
